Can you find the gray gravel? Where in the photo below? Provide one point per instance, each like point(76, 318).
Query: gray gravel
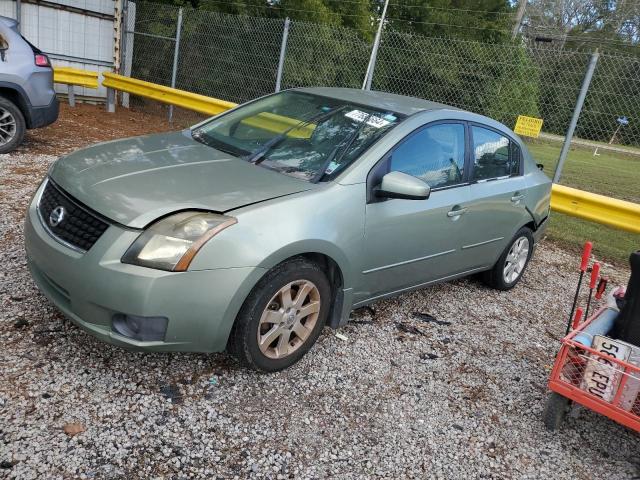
point(400, 398)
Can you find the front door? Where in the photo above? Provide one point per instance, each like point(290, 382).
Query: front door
point(413, 242)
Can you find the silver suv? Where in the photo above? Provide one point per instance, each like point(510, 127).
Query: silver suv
point(27, 98)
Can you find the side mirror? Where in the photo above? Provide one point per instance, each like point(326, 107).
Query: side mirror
point(401, 185)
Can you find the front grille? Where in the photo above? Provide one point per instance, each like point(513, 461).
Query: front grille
point(79, 227)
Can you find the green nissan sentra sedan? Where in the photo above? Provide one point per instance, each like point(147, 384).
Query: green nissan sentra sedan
point(254, 229)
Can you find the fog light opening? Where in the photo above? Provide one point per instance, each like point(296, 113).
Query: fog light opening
point(144, 329)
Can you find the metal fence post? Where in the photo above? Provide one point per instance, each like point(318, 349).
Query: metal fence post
point(123, 34)
point(176, 52)
point(283, 51)
point(576, 114)
point(368, 77)
point(18, 13)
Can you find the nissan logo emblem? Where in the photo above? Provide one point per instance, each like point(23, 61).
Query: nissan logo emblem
point(57, 216)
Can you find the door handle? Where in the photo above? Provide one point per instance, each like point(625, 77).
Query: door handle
point(456, 213)
point(517, 197)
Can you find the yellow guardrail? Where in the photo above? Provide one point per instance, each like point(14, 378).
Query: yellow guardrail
point(596, 208)
point(202, 104)
point(75, 76)
point(171, 96)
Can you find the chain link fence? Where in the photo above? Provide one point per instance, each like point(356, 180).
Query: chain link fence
point(324, 55)
point(237, 58)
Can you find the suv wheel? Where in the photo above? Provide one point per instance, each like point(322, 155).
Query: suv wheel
point(282, 317)
point(12, 126)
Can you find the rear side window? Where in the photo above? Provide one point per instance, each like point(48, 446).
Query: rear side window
point(494, 155)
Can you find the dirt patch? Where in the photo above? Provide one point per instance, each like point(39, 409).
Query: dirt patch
point(86, 124)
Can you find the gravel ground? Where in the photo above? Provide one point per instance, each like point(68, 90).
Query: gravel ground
point(401, 397)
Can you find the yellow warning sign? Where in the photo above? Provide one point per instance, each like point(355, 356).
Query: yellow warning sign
point(528, 126)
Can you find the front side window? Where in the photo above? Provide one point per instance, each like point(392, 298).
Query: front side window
point(494, 155)
point(434, 154)
point(297, 133)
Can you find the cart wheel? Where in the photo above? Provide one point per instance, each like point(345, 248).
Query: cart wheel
point(555, 411)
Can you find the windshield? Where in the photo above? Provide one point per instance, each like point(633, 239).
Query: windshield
point(300, 134)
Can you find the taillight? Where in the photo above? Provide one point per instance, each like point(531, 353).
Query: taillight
point(42, 60)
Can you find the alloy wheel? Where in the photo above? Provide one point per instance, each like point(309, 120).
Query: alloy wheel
point(289, 318)
point(7, 126)
point(516, 260)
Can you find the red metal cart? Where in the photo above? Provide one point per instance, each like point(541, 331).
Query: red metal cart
point(618, 399)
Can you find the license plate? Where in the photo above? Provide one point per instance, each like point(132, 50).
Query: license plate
point(601, 375)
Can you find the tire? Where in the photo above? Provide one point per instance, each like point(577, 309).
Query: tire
point(253, 339)
point(554, 411)
point(12, 126)
point(497, 277)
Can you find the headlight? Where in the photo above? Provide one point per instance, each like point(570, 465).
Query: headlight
point(171, 243)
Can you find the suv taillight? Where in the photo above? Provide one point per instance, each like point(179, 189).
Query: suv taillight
point(42, 60)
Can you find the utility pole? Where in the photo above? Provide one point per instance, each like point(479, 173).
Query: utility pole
point(522, 6)
point(368, 77)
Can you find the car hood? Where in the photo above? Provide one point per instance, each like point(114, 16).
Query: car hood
point(136, 180)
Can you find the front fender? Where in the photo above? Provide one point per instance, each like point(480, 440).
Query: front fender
point(313, 246)
point(327, 220)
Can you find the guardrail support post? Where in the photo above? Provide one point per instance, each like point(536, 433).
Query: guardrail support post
point(72, 95)
point(176, 52)
point(283, 51)
point(368, 76)
point(576, 114)
point(111, 100)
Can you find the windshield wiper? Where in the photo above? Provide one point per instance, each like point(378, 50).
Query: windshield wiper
point(321, 172)
point(198, 136)
point(258, 156)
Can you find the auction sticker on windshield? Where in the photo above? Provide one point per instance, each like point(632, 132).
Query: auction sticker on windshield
point(360, 116)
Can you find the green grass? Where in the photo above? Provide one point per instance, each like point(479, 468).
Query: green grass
point(613, 174)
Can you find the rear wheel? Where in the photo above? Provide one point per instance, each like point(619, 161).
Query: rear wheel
point(12, 126)
point(510, 267)
point(282, 316)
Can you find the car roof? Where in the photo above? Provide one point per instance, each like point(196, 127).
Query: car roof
point(382, 100)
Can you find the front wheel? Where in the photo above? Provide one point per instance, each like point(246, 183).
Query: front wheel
point(282, 317)
point(510, 267)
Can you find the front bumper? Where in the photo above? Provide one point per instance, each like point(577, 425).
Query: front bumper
point(90, 288)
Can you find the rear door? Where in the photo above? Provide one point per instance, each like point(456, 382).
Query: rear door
point(497, 192)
